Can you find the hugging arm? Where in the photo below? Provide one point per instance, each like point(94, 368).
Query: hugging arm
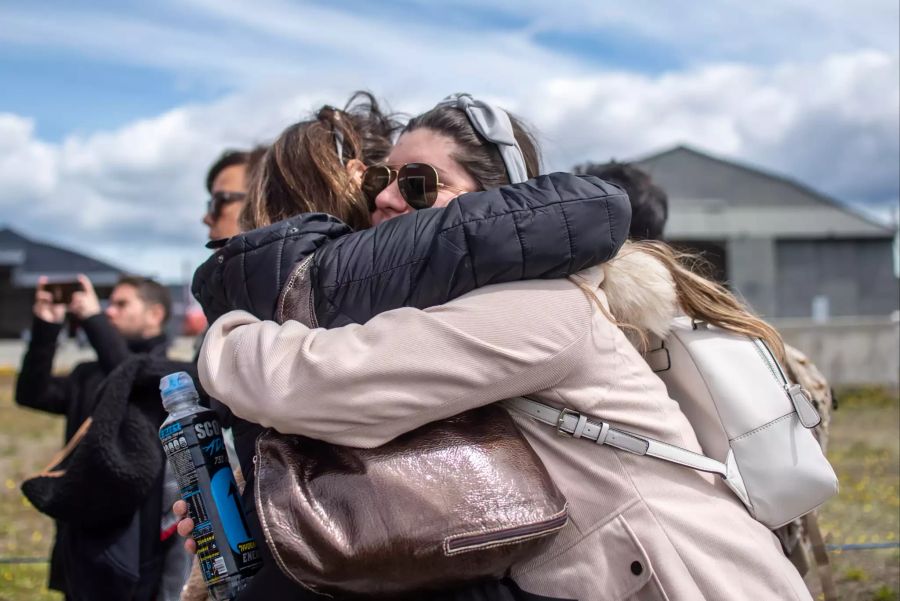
point(312, 269)
point(362, 385)
point(548, 227)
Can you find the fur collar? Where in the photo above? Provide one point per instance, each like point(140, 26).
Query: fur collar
point(640, 291)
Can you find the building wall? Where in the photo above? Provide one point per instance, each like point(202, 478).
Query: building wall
point(856, 276)
point(782, 278)
point(15, 310)
point(751, 272)
point(785, 244)
point(849, 351)
point(69, 353)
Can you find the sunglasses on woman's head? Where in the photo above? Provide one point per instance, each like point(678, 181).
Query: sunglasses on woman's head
point(418, 182)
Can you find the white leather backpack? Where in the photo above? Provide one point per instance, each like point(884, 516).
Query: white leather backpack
point(753, 425)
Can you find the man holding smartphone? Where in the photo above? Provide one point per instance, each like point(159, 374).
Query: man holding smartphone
point(132, 323)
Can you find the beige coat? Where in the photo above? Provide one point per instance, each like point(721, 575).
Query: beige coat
point(639, 529)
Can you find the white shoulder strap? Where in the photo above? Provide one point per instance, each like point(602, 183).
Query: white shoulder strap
point(571, 423)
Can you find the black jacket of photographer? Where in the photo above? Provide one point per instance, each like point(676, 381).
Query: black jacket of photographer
point(74, 395)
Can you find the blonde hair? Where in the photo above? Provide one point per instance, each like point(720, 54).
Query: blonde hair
point(700, 298)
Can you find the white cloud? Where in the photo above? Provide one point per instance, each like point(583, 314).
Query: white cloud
point(826, 123)
point(227, 43)
point(134, 194)
point(763, 31)
point(27, 166)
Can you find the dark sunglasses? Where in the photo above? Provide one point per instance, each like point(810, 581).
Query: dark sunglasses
point(418, 182)
point(220, 199)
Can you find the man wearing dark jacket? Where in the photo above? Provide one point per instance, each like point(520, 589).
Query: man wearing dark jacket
point(132, 324)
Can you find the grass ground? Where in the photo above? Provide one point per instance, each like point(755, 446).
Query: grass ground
point(864, 448)
point(865, 451)
point(28, 440)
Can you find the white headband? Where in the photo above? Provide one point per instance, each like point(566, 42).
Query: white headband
point(493, 123)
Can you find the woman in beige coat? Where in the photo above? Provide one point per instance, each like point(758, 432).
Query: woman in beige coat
point(639, 528)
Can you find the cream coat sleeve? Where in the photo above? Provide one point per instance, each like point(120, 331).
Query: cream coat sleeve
point(362, 385)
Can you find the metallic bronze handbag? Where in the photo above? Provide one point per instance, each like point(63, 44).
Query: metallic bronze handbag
point(454, 501)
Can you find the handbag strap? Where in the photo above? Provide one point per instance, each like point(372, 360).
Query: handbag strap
point(569, 422)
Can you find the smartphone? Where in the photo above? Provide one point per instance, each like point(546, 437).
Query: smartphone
point(62, 291)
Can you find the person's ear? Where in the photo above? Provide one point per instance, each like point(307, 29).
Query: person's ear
point(355, 169)
point(157, 313)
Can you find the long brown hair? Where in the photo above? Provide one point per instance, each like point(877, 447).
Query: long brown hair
point(302, 172)
point(699, 298)
point(705, 300)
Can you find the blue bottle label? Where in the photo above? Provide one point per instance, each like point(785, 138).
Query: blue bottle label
point(196, 450)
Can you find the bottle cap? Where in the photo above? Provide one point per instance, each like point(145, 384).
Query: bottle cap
point(176, 387)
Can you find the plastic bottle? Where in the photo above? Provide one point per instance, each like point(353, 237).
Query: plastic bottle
point(192, 440)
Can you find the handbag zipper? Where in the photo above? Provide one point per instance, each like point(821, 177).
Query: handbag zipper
point(769, 359)
point(459, 543)
point(790, 390)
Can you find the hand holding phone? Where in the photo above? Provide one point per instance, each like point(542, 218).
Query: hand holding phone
point(63, 292)
point(51, 299)
point(84, 303)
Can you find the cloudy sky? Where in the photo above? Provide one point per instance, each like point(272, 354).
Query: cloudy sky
point(111, 111)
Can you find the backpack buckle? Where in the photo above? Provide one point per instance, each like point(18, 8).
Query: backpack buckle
point(564, 412)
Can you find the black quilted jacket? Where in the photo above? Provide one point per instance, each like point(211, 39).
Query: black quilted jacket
point(548, 227)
